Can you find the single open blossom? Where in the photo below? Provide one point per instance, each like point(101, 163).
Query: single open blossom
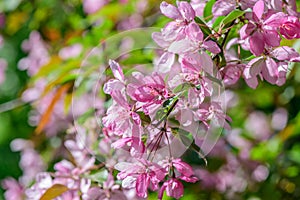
point(182, 15)
point(194, 68)
point(121, 113)
point(148, 89)
point(290, 28)
point(261, 31)
point(141, 175)
point(137, 147)
point(14, 191)
point(173, 31)
point(214, 113)
point(98, 193)
point(184, 12)
point(272, 67)
point(232, 73)
point(193, 41)
point(173, 188)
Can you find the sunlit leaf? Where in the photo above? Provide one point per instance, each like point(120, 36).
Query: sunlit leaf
point(286, 132)
point(207, 13)
point(98, 176)
point(48, 68)
point(203, 26)
point(218, 21)
point(231, 17)
point(67, 103)
point(15, 21)
point(54, 191)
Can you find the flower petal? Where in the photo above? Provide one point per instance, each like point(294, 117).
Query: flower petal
point(257, 44)
point(258, 9)
point(186, 10)
point(116, 69)
point(170, 11)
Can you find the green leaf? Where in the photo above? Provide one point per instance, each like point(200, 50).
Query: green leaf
point(218, 21)
point(207, 12)
point(54, 191)
point(266, 151)
point(145, 118)
point(99, 176)
point(249, 58)
point(231, 17)
point(9, 5)
point(203, 26)
point(167, 108)
point(181, 88)
point(188, 140)
point(214, 79)
point(56, 68)
point(199, 151)
point(185, 137)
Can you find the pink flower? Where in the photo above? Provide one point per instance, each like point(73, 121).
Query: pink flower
point(120, 114)
point(212, 112)
point(182, 167)
point(290, 29)
point(31, 162)
point(183, 170)
point(38, 54)
point(137, 147)
point(223, 7)
point(149, 91)
point(173, 187)
point(183, 15)
point(43, 182)
point(184, 12)
point(272, 68)
point(193, 41)
point(72, 51)
point(110, 190)
point(173, 31)
point(80, 148)
point(140, 175)
point(198, 6)
point(14, 191)
point(92, 6)
point(232, 73)
point(261, 31)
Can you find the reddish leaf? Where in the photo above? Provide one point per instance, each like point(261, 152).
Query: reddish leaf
point(46, 116)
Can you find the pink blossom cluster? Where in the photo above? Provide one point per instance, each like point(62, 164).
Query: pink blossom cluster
point(38, 54)
point(184, 41)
